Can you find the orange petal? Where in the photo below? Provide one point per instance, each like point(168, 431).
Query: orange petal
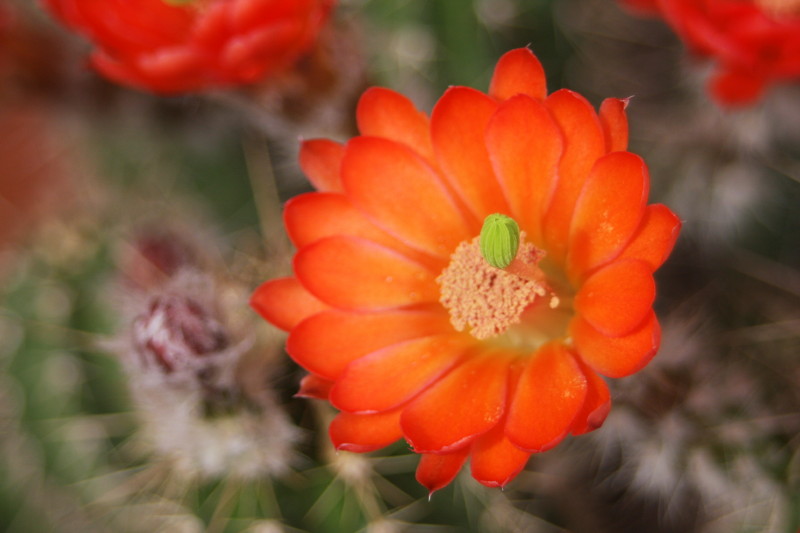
point(390, 377)
point(617, 357)
point(327, 342)
point(314, 387)
point(403, 195)
point(617, 298)
point(518, 71)
point(466, 403)
point(596, 406)
point(525, 145)
point(365, 433)
point(356, 274)
point(615, 123)
point(551, 391)
point(435, 472)
point(495, 460)
point(321, 160)
point(314, 216)
point(458, 127)
point(584, 144)
point(608, 212)
point(285, 302)
point(390, 115)
point(655, 238)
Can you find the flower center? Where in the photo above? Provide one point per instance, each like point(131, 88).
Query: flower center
point(487, 300)
point(780, 7)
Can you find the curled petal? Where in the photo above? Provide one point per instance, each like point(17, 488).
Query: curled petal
point(321, 160)
point(655, 238)
point(390, 377)
point(525, 146)
point(596, 406)
point(616, 299)
point(494, 460)
point(615, 123)
point(518, 72)
point(331, 267)
point(390, 115)
point(550, 393)
point(365, 433)
point(285, 302)
point(315, 387)
point(617, 357)
point(403, 195)
point(327, 342)
point(466, 403)
point(608, 212)
point(435, 472)
point(458, 126)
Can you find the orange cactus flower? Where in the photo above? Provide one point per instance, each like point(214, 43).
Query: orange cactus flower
point(173, 46)
point(405, 327)
point(754, 43)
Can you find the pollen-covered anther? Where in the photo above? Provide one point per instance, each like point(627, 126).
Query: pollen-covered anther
point(485, 299)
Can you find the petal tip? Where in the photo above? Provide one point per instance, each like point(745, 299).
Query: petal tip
point(518, 71)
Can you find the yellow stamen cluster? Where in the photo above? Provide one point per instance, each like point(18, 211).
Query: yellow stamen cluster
point(485, 299)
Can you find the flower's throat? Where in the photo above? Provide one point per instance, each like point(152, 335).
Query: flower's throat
point(488, 300)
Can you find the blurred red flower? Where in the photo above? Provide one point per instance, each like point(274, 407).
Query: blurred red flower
point(179, 46)
point(403, 325)
point(754, 43)
point(36, 178)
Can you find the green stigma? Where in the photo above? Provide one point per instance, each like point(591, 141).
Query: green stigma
point(499, 240)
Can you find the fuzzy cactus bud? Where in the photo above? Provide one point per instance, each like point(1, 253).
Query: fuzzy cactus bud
point(499, 240)
point(175, 331)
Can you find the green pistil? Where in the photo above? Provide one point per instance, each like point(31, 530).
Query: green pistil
point(499, 240)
